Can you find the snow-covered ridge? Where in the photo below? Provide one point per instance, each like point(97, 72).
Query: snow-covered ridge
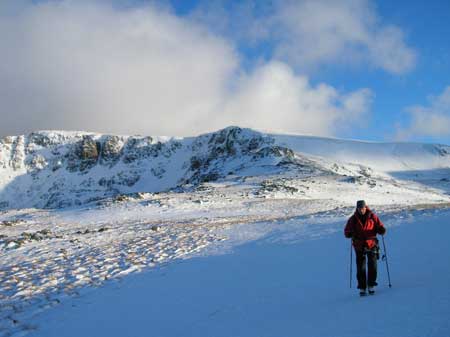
point(60, 168)
point(387, 157)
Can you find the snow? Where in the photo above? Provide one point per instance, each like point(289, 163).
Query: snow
point(257, 252)
point(380, 156)
point(284, 288)
point(44, 169)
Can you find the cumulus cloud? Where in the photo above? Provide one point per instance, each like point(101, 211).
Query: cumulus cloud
point(274, 98)
point(310, 33)
point(432, 120)
point(320, 31)
point(89, 65)
point(86, 65)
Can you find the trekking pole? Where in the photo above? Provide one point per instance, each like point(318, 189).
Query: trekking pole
point(351, 256)
point(386, 259)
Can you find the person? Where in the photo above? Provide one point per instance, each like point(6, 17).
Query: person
point(362, 227)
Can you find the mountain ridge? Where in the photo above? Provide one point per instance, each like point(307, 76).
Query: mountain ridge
point(54, 169)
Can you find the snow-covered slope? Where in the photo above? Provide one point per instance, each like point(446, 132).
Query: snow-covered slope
point(144, 202)
point(52, 169)
point(276, 289)
point(385, 157)
point(57, 169)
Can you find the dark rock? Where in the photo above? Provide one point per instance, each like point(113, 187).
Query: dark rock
point(89, 149)
point(211, 176)
point(10, 223)
point(40, 139)
point(124, 178)
point(277, 186)
point(111, 150)
point(196, 163)
point(121, 198)
point(276, 151)
point(83, 154)
point(441, 150)
point(139, 149)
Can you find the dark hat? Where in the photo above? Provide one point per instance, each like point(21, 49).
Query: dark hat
point(360, 204)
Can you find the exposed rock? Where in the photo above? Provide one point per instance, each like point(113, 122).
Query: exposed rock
point(366, 171)
point(101, 167)
point(10, 223)
point(277, 186)
point(38, 236)
point(226, 145)
point(7, 140)
point(89, 149)
point(36, 163)
point(83, 155)
point(139, 149)
point(121, 198)
point(40, 139)
point(111, 150)
point(276, 151)
point(211, 176)
point(13, 243)
point(196, 163)
point(17, 153)
point(123, 178)
point(86, 231)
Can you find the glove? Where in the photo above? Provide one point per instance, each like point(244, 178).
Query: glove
point(381, 230)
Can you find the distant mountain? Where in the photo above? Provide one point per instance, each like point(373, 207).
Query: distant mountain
point(54, 169)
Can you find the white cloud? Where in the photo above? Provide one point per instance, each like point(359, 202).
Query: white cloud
point(86, 65)
point(432, 120)
point(311, 33)
point(325, 31)
point(274, 98)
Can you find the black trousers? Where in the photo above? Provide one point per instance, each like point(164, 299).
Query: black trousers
point(369, 278)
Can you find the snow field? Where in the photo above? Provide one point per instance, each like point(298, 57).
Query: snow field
point(272, 236)
point(296, 285)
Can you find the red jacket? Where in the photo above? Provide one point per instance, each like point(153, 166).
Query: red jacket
point(364, 235)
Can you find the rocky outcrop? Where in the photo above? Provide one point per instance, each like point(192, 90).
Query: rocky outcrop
point(111, 150)
point(61, 169)
point(83, 154)
point(218, 151)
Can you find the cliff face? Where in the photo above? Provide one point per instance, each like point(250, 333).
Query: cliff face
point(59, 169)
point(53, 169)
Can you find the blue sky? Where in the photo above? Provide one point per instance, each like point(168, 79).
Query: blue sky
point(371, 70)
point(427, 29)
